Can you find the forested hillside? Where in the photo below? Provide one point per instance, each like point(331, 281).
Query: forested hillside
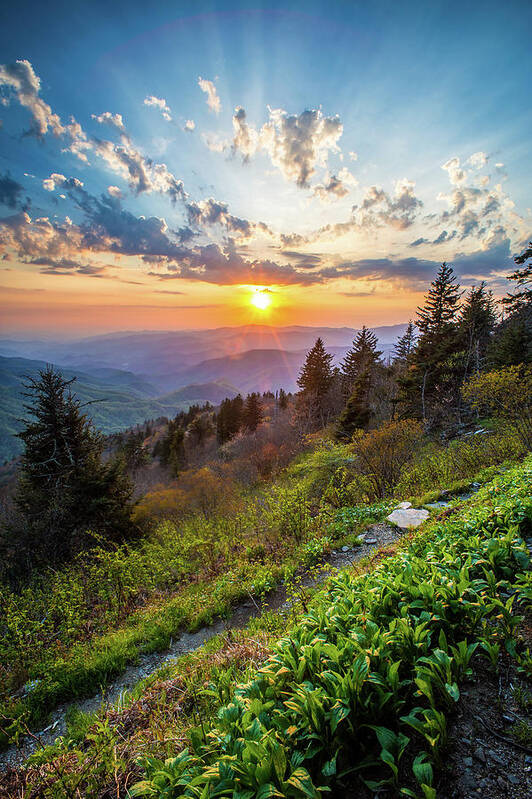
point(356, 553)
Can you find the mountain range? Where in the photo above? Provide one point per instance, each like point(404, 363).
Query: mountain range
point(132, 376)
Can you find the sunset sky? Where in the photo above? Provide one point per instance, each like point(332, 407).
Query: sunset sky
point(158, 165)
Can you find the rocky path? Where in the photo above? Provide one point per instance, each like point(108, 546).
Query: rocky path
point(376, 537)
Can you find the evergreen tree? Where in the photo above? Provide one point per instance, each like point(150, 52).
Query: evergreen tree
point(253, 412)
point(476, 324)
point(512, 342)
point(64, 488)
point(229, 420)
point(282, 399)
point(362, 357)
point(430, 387)
point(405, 345)
point(315, 380)
point(357, 412)
point(200, 428)
point(523, 281)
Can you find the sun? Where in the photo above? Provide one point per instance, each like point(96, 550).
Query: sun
point(260, 299)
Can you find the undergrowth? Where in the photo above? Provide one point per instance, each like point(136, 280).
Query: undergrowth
point(362, 685)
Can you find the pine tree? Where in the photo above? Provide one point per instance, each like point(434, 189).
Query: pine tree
point(253, 412)
point(357, 412)
point(282, 400)
point(363, 356)
point(405, 345)
point(476, 325)
point(430, 387)
point(512, 342)
point(315, 380)
point(229, 420)
point(64, 488)
point(523, 281)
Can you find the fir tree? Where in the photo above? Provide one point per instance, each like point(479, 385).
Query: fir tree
point(64, 488)
point(362, 357)
point(405, 345)
point(282, 400)
point(315, 380)
point(476, 324)
point(200, 428)
point(430, 387)
point(253, 412)
point(523, 281)
point(357, 412)
point(512, 342)
point(229, 420)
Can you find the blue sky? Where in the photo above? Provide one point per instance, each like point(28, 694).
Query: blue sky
point(373, 140)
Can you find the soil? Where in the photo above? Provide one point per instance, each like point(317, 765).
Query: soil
point(484, 758)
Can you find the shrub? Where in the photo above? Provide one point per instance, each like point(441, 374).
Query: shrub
point(506, 394)
point(383, 453)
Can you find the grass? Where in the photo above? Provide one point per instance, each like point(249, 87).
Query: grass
point(365, 680)
point(426, 608)
point(70, 632)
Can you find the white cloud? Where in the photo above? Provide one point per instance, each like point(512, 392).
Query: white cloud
point(296, 143)
point(26, 84)
point(478, 160)
point(114, 191)
point(189, 125)
point(213, 101)
point(57, 180)
point(161, 104)
point(335, 186)
point(114, 120)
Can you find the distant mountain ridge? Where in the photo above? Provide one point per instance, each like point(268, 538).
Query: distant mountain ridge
point(141, 375)
point(166, 359)
point(117, 401)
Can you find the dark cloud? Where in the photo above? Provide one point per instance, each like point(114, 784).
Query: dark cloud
point(67, 266)
point(11, 193)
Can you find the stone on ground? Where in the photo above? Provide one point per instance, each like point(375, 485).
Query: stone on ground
point(408, 518)
point(403, 506)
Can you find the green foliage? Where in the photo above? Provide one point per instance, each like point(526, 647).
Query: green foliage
point(375, 664)
point(64, 488)
point(315, 381)
point(505, 394)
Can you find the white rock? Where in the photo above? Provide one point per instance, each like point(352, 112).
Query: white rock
point(403, 506)
point(407, 518)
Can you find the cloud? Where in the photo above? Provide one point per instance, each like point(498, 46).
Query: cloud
point(161, 104)
point(335, 186)
point(114, 120)
point(296, 143)
point(213, 101)
point(212, 212)
point(245, 138)
point(189, 125)
point(56, 181)
point(21, 78)
point(214, 142)
point(114, 191)
point(67, 266)
point(398, 210)
point(11, 193)
point(142, 174)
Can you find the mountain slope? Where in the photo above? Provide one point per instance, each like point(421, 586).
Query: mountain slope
point(119, 399)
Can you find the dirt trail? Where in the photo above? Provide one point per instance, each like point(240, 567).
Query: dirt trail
point(378, 535)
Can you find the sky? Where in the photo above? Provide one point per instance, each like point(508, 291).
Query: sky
point(192, 165)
